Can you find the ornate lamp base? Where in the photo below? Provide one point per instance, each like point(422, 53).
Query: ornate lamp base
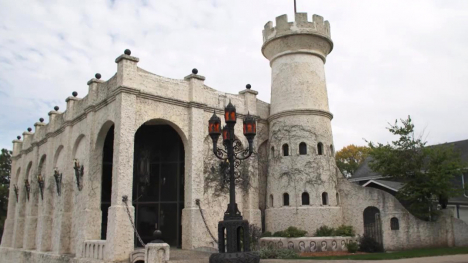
point(239, 257)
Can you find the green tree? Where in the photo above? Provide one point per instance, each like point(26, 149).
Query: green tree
point(426, 172)
point(350, 158)
point(5, 168)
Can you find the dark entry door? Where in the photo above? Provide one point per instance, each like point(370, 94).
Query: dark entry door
point(158, 183)
point(373, 224)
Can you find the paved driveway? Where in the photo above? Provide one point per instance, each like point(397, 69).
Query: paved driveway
point(441, 259)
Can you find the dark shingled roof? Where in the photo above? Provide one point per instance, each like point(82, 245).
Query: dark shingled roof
point(365, 173)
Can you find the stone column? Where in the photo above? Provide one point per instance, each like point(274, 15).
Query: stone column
point(192, 223)
point(120, 239)
point(7, 238)
point(29, 241)
point(157, 253)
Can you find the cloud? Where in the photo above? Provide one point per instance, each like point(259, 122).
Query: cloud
point(391, 58)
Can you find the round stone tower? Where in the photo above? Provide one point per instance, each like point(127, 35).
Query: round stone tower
point(302, 178)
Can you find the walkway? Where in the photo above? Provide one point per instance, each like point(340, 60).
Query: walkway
point(441, 259)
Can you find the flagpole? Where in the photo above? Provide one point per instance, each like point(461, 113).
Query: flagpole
point(295, 11)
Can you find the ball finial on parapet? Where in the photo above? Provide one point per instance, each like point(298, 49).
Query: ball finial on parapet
point(29, 129)
point(41, 119)
point(195, 71)
point(74, 94)
point(97, 75)
point(248, 86)
point(18, 137)
point(127, 52)
point(56, 108)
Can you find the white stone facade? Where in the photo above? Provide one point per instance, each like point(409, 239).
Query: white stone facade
point(67, 228)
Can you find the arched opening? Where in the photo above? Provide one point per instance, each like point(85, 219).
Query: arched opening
point(337, 199)
point(394, 224)
point(106, 180)
point(305, 198)
point(320, 148)
point(324, 198)
point(332, 150)
point(158, 182)
point(372, 223)
point(285, 149)
point(302, 148)
point(285, 199)
point(271, 200)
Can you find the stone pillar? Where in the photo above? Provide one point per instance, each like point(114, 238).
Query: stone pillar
point(120, 234)
point(29, 241)
point(7, 238)
point(157, 253)
point(192, 223)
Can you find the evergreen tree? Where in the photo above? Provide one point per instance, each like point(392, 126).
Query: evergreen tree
point(5, 169)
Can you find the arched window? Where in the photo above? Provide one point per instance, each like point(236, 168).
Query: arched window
point(337, 199)
point(394, 224)
point(302, 148)
point(272, 152)
point(320, 148)
point(271, 200)
point(285, 149)
point(285, 199)
point(332, 151)
point(305, 199)
point(324, 198)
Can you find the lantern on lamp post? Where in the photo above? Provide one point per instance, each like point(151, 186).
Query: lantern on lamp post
point(237, 248)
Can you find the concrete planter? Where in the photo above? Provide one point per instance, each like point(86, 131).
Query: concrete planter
point(308, 244)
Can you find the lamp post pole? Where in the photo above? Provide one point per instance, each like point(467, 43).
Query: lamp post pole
point(237, 250)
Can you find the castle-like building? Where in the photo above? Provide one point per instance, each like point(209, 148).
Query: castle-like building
point(136, 150)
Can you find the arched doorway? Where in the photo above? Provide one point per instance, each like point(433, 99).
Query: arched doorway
point(106, 183)
point(158, 182)
point(373, 224)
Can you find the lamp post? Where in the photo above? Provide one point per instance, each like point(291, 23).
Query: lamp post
point(237, 250)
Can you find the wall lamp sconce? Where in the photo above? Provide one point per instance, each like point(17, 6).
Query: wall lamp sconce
point(78, 174)
point(58, 180)
point(40, 181)
point(16, 191)
point(28, 188)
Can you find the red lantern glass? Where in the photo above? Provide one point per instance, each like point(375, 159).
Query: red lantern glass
point(225, 133)
point(230, 113)
point(250, 126)
point(214, 127)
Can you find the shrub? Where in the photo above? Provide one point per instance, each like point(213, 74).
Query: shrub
point(352, 247)
point(345, 231)
point(290, 232)
point(255, 235)
point(265, 253)
point(267, 234)
point(368, 244)
point(324, 231)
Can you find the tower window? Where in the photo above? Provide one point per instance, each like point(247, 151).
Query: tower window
point(271, 200)
point(285, 199)
point(285, 150)
point(305, 199)
point(320, 148)
point(337, 199)
point(332, 151)
point(324, 198)
point(394, 224)
point(272, 152)
point(302, 148)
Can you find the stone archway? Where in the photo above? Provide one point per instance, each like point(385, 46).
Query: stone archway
point(373, 224)
point(158, 182)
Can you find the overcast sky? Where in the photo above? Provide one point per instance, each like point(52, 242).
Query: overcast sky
point(391, 58)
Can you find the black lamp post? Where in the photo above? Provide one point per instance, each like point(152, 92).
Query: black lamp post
point(233, 153)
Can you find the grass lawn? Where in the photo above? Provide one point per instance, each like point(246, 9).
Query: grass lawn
point(414, 253)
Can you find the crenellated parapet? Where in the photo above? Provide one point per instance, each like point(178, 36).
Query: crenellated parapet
point(301, 25)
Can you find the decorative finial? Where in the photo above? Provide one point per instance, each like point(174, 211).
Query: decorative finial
point(29, 129)
point(74, 93)
point(56, 108)
point(248, 86)
point(195, 71)
point(41, 119)
point(127, 52)
point(98, 76)
point(18, 137)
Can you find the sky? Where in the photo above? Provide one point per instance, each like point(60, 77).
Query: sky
point(390, 59)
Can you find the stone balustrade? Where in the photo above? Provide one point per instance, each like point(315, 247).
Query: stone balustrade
point(308, 244)
point(94, 249)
